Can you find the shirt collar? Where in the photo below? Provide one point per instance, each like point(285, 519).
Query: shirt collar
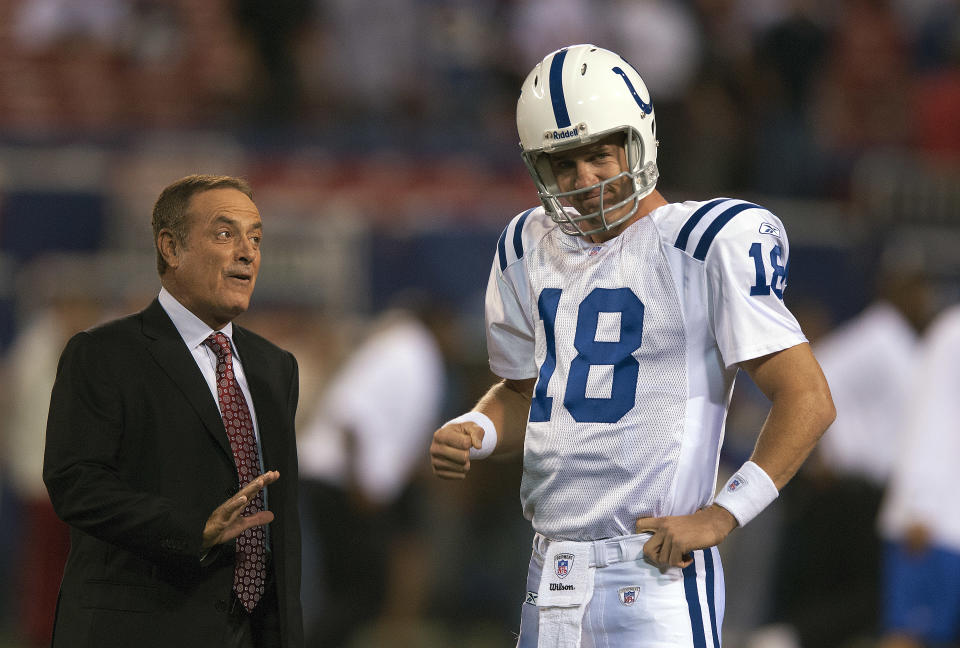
point(191, 328)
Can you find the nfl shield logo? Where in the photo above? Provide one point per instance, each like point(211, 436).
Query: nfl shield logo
point(563, 563)
point(628, 595)
point(736, 482)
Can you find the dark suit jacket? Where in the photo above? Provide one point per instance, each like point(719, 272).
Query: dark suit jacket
point(136, 460)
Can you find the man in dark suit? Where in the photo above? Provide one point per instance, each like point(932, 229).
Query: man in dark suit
point(161, 427)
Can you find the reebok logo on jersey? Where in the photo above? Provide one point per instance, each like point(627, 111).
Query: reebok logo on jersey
point(531, 598)
point(767, 228)
point(628, 595)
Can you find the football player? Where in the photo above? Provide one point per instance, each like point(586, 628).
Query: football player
point(618, 322)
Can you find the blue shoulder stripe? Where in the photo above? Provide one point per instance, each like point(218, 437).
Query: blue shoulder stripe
point(517, 240)
point(518, 233)
point(556, 90)
point(706, 240)
point(692, 222)
point(502, 249)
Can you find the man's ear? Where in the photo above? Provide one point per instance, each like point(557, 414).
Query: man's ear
point(169, 248)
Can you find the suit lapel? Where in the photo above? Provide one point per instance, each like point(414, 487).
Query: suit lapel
point(168, 350)
point(268, 418)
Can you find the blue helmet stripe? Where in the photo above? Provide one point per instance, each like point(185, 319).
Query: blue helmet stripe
point(711, 232)
point(556, 90)
point(692, 222)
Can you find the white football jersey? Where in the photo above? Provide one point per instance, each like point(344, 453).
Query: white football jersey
point(634, 344)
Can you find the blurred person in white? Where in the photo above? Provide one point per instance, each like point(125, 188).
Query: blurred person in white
point(618, 322)
point(538, 26)
point(920, 517)
point(40, 23)
point(663, 34)
point(870, 363)
point(57, 311)
point(361, 36)
point(359, 459)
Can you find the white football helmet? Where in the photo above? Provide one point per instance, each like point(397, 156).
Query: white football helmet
point(576, 96)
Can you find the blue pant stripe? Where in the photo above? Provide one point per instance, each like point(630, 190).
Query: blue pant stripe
point(693, 603)
point(711, 603)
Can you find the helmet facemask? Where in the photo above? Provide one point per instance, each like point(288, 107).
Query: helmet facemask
point(643, 179)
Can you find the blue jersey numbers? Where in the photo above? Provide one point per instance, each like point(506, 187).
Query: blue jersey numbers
point(778, 279)
point(541, 404)
point(592, 352)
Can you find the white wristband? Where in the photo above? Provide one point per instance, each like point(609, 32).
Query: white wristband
point(748, 492)
point(489, 441)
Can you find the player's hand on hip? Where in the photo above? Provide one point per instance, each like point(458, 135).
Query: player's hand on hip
point(675, 537)
point(450, 450)
point(227, 520)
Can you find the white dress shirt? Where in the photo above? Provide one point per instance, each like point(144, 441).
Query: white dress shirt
point(926, 476)
point(869, 363)
point(194, 332)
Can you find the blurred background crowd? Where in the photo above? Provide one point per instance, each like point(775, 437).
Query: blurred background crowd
point(378, 136)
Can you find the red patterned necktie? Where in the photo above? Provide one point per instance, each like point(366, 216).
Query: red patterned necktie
point(250, 570)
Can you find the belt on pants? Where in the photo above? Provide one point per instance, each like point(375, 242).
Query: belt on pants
point(606, 551)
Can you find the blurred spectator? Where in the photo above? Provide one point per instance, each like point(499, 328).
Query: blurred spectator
point(920, 520)
point(870, 363)
point(44, 540)
point(461, 40)
point(43, 23)
point(538, 26)
point(272, 28)
point(937, 95)
point(371, 61)
point(788, 57)
point(935, 39)
point(864, 99)
point(660, 38)
point(364, 561)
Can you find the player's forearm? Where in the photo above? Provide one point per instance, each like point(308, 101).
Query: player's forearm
point(796, 422)
point(507, 404)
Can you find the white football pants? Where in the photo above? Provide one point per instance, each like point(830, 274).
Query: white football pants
point(633, 605)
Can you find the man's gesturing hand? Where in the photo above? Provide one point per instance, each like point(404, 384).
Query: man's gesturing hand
point(227, 522)
point(450, 450)
point(674, 537)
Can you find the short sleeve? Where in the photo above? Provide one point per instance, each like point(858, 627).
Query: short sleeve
point(747, 264)
point(511, 340)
